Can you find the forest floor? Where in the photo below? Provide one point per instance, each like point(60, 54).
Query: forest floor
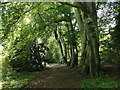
point(59, 76)
point(56, 76)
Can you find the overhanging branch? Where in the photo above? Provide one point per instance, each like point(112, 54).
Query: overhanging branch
point(53, 8)
point(64, 3)
point(10, 25)
point(56, 21)
point(81, 6)
point(4, 2)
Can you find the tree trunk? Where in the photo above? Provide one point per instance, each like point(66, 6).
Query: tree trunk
point(87, 23)
point(74, 62)
point(65, 51)
point(69, 56)
point(76, 57)
point(60, 45)
point(69, 46)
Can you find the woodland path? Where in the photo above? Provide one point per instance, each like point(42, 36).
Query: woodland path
point(56, 76)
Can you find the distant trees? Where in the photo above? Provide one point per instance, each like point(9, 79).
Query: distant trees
point(57, 37)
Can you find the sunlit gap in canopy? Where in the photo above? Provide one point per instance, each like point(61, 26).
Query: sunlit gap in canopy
point(27, 20)
point(104, 11)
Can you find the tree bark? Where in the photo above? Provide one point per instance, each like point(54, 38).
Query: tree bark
point(74, 60)
point(60, 45)
point(76, 57)
point(87, 23)
point(69, 46)
point(65, 51)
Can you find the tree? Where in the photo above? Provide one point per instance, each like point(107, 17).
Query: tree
point(57, 37)
point(87, 22)
point(115, 37)
point(62, 27)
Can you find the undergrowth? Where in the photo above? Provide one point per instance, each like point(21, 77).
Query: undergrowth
point(100, 82)
point(18, 79)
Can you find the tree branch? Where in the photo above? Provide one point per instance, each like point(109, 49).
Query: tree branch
point(53, 8)
point(10, 25)
point(64, 3)
point(39, 15)
point(56, 21)
point(4, 2)
point(81, 6)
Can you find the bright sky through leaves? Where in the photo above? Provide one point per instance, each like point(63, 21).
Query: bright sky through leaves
point(27, 20)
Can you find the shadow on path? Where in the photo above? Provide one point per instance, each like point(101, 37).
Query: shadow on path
point(56, 76)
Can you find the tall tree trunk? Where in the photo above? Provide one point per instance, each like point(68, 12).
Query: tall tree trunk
point(87, 23)
point(69, 56)
point(69, 46)
point(83, 62)
point(74, 62)
point(65, 51)
point(60, 45)
point(76, 55)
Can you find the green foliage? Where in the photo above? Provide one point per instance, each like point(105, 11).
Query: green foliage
point(18, 79)
point(27, 44)
point(31, 59)
point(111, 41)
point(19, 35)
point(100, 82)
point(5, 67)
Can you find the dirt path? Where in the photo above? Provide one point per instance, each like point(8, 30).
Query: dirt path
point(56, 76)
